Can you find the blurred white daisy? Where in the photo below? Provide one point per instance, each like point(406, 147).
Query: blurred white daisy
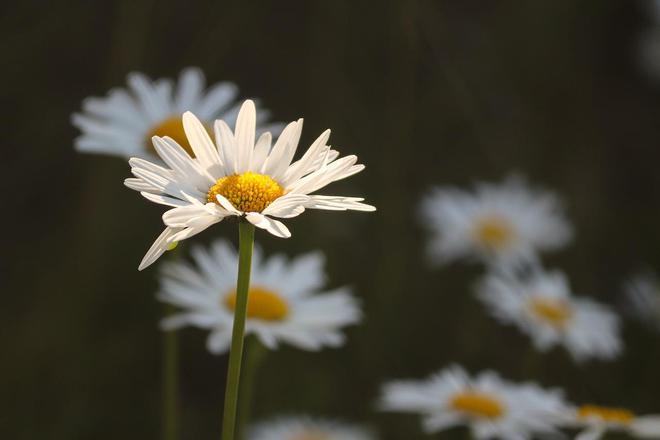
point(490, 406)
point(643, 295)
point(648, 52)
point(542, 306)
point(284, 301)
point(507, 222)
point(239, 177)
point(123, 122)
point(307, 428)
point(595, 421)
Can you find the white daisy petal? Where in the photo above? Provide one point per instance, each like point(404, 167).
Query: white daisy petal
point(305, 164)
point(287, 206)
point(227, 205)
point(646, 427)
point(284, 147)
point(218, 98)
point(195, 226)
point(163, 200)
point(226, 146)
point(201, 143)
point(591, 434)
point(273, 226)
point(245, 132)
point(261, 150)
point(140, 185)
point(146, 94)
point(158, 248)
point(189, 90)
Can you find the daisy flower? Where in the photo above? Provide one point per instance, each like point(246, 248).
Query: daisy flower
point(508, 222)
point(643, 294)
point(490, 406)
point(543, 307)
point(123, 122)
point(596, 420)
point(284, 301)
point(239, 176)
point(307, 428)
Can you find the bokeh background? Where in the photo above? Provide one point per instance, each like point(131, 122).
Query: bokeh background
point(424, 92)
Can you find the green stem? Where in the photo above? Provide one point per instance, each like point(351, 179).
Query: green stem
point(245, 244)
point(255, 353)
point(170, 381)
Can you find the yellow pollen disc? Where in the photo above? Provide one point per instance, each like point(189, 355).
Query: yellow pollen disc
point(555, 312)
point(494, 232)
point(477, 405)
point(172, 127)
point(247, 192)
point(262, 304)
point(612, 415)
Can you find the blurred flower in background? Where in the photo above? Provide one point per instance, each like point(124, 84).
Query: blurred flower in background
point(643, 295)
point(307, 428)
point(238, 176)
point(123, 122)
point(543, 307)
point(284, 302)
point(595, 421)
point(648, 50)
point(490, 406)
point(506, 222)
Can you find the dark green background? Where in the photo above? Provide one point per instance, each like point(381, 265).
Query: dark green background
point(424, 92)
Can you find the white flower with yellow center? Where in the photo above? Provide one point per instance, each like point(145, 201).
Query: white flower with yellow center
point(239, 177)
point(307, 428)
point(284, 303)
point(508, 222)
point(490, 406)
point(542, 306)
point(596, 420)
point(123, 122)
point(643, 293)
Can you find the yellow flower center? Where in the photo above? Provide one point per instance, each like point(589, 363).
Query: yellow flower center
point(262, 304)
point(172, 127)
point(494, 232)
point(477, 404)
point(247, 192)
point(612, 415)
point(556, 312)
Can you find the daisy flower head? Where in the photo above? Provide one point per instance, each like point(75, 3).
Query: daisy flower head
point(643, 295)
point(490, 406)
point(307, 428)
point(285, 303)
point(542, 306)
point(594, 421)
point(239, 175)
point(506, 223)
point(123, 122)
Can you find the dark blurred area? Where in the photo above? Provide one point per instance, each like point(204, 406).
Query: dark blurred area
point(424, 92)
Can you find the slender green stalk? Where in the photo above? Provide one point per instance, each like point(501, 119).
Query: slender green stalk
point(255, 352)
point(170, 381)
point(245, 244)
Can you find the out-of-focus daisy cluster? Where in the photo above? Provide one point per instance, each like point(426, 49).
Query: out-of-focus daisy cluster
point(184, 155)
